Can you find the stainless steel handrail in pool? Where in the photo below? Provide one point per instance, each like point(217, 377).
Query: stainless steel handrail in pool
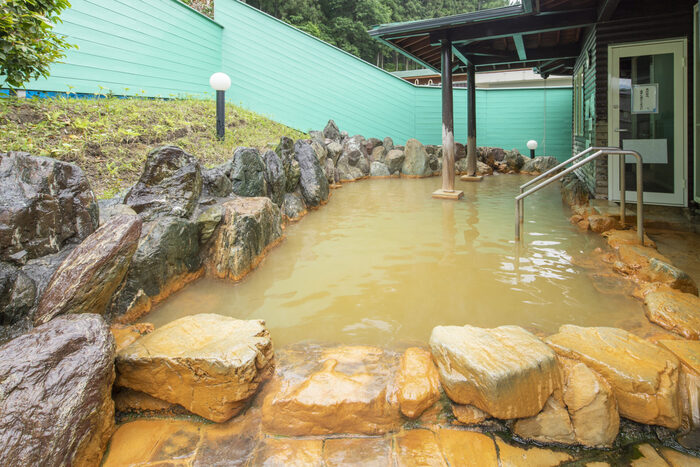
point(599, 151)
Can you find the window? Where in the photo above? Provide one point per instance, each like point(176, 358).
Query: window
point(578, 103)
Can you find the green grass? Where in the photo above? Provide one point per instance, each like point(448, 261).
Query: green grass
point(110, 138)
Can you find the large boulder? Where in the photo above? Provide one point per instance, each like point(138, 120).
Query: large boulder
point(17, 294)
point(346, 171)
point(539, 164)
point(335, 150)
point(676, 311)
point(248, 173)
point(207, 363)
point(207, 222)
point(293, 208)
point(506, 371)
point(249, 229)
point(56, 393)
point(355, 150)
point(643, 376)
point(275, 178)
point(574, 191)
point(377, 169)
point(388, 144)
point(312, 181)
point(378, 154)
point(586, 413)
point(331, 131)
point(348, 390)
point(292, 173)
point(320, 151)
point(329, 171)
point(416, 162)
point(89, 276)
point(45, 202)
point(514, 160)
point(170, 185)
point(394, 160)
point(166, 259)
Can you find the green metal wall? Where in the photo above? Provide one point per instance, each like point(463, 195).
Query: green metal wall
point(164, 48)
point(136, 47)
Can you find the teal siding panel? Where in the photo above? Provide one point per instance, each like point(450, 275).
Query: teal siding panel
point(303, 82)
point(136, 47)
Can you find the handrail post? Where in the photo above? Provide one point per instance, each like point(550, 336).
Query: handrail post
point(623, 190)
point(640, 201)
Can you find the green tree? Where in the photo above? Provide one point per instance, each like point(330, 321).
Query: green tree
point(28, 44)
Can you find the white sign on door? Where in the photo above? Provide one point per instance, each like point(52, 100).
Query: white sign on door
point(653, 151)
point(645, 98)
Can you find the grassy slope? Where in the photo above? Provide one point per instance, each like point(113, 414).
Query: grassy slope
point(110, 138)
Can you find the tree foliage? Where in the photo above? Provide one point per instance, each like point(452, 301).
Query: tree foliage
point(28, 44)
point(344, 23)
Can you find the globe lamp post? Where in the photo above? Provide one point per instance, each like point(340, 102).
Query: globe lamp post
point(220, 82)
point(532, 145)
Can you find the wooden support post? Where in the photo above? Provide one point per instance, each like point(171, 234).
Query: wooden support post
point(448, 137)
point(471, 120)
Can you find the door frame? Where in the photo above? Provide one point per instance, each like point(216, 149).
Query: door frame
point(696, 90)
point(680, 195)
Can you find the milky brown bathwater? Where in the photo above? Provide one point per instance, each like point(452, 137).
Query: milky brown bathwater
point(383, 263)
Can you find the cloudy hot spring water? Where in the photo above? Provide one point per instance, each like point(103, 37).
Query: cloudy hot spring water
point(383, 263)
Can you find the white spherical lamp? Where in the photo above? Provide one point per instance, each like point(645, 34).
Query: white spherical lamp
point(220, 81)
point(532, 145)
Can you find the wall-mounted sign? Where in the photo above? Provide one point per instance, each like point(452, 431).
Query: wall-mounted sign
point(645, 98)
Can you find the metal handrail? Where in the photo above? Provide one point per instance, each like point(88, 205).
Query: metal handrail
point(555, 169)
point(600, 151)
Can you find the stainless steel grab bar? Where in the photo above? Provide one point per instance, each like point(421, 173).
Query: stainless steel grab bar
point(600, 151)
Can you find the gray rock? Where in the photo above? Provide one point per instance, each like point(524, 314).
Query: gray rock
point(320, 151)
point(56, 384)
point(514, 160)
point(293, 208)
point(335, 150)
point(388, 144)
point(574, 191)
point(312, 181)
point(208, 221)
point(274, 177)
point(364, 165)
point(329, 169)
point(88, 277)
point(372, 143)
point(354, 150)
point(331, 131)
point(343, 136)
point(347, 172)
point(317, 136)
point(45, 203)
point(490, 156)
point(434, 162)
point(539, 164)
point(460, 151)
point(109, 211)
point(170, 185)
point(394, 160)
point(167, 252)
point(378, 154)
point(248, 173)
point(378, 169)
point(216, 182)
point(285, 151)
point(17, 294)
point(416, 163)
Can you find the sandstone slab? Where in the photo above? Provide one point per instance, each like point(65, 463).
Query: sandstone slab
point(688, 352)
point(89, 276)
point(643, 376)
point(616, 238)
point(279, 452)
point(55, 393)
point(675, 311)
point(506, 371)
point(126, 334)
point(365, 452)
point(230, 444)
point(468, 414)
point(351, 392)
point(515, 456)
point(209, 364)
point(468, 448)
point(417, 381)
point(45, 203)
point(250, 227)
point(551, 425)
point(418, 447)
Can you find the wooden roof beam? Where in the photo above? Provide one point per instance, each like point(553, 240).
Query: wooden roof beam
point(548, 53)
point(606, 9)
point(517, 25)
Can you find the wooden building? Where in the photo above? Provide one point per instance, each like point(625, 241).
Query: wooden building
point(634, 65)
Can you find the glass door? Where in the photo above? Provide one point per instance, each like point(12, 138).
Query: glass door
point(647, 113)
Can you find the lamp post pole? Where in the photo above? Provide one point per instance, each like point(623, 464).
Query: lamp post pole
point(220, 82)
point(220, 114)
